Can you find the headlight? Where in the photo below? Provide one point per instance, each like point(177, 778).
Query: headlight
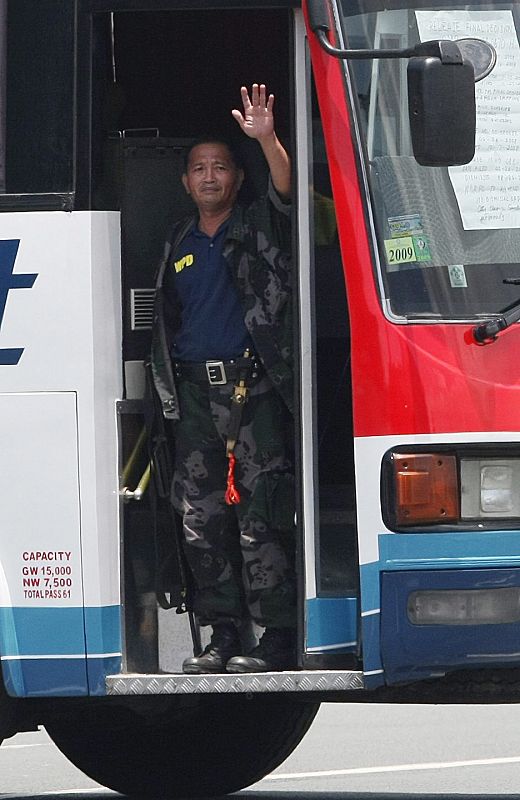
point(464, 606)
point(490, 487)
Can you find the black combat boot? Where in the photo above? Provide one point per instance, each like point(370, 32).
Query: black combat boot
point(225, 643)
point(275, 652)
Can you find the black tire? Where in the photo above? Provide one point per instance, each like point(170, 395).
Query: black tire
point(215, 746)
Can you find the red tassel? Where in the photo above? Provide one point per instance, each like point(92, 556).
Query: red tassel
point(232, 494)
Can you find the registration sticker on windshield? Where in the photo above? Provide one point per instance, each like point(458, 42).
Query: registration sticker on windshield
point(400, 251)
point(457, 275)
point(422, 248)
point(405, 225)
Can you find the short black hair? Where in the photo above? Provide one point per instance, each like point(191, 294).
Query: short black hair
point(214, 139)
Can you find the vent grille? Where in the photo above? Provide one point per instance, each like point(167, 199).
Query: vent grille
point(141, 309)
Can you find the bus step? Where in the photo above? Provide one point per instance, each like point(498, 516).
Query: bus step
point(300, 681)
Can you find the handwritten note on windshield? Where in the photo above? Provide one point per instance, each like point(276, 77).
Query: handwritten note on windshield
point(487, 189)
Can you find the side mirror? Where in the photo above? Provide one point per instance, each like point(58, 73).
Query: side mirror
point(441, 89)
point(441, 105)
point(441, 100)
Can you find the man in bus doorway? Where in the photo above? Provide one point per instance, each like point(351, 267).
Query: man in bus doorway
point(221, 359)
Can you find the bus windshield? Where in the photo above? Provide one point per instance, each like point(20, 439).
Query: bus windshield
point(448, 238)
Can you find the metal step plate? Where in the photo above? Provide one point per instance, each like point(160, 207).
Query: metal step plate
point(301, 681)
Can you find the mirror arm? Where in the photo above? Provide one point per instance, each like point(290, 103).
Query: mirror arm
point(447, 51)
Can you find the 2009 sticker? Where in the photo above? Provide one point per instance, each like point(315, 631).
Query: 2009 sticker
point(400, 250)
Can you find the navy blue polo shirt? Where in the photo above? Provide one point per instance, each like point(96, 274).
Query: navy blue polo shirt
point(212, 326)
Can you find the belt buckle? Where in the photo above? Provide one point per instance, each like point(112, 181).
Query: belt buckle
point(216, 373)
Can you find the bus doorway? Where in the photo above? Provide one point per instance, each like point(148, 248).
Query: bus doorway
point(161, 80)
point(153, 98)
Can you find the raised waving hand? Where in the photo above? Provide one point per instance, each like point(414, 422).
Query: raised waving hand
point(257, 121)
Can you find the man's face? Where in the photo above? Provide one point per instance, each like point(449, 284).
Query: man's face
point(211, 178)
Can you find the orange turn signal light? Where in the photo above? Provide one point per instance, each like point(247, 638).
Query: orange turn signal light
point(426, 488)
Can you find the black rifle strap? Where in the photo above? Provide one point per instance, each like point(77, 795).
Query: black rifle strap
point(160, 461)
point(160, 455)
point(160, 485)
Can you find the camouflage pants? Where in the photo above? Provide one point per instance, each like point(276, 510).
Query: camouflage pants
point(241, 556)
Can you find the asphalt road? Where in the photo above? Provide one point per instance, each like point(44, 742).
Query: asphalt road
point(352, 752)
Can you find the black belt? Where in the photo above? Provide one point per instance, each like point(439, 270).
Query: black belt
point(214, 373)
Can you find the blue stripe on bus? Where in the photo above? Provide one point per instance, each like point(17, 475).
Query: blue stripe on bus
point(60, 631)
point(97, 671)
point(56, 677)
point(449, 550)
point(332, 624)
point(41, 631)
point(103, 629)
point(43, 649)
point(426, 551)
